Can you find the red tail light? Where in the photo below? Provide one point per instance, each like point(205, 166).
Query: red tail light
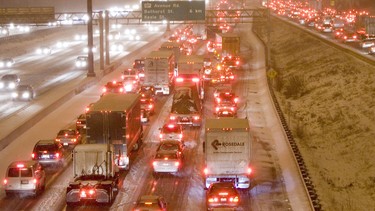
point(196, 117)
point(57, 155)
point(177, 163)
point(236, 100)
point(249, 170)
point(231, 77)
point(195, 80)
point(234, 199)
point(5, 181)
point(104, 89)
point(35, 181)
point(160, 135)
point(32, 156)
point(150, 106)
point(205, 171)
point(58, 140)
point(121, 90)
point(154, 163)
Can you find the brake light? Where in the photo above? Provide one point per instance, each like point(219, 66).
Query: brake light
point(249, 170)
point(32, 156)
point(205, 171)
point(104, 89)
point(35, 181)
point(195, 80)
point(154, 163)
point(172, 118)
point(5, 181)
point(161, 135)
point(232, 108)
point(177, 163)
point(74, 140)
point(121, 90)
point(150, 106)
point(213, 200)
point(236, 100)
point(58, 140)
point(180, 135)
point(57, 155)
point(231, 77)
point(218, 100)
point(217, 109)
point(171, 126)
point(355, 36)
point(196, 117)
point(237, 62)
point(179, 80)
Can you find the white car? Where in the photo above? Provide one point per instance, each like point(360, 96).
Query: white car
point(44, 50)
point(81, 62)
point(6, 63)
point(24, 177)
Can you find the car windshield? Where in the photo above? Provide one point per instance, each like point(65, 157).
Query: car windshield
point(222, 188)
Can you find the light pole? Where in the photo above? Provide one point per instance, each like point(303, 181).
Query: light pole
point(90, 42)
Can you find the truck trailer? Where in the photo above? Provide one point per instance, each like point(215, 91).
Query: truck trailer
point(115, 119)
point(186, 105)
point(95, 175)
point(227, 150)
point(159, 71)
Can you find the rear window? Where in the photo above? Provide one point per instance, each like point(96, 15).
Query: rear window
point(68, 132)
point(169, 146)
point(166, 156)
point(15, 172)
point(46, 147)
point(174, 129)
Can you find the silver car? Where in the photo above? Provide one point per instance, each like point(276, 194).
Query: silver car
point(167, 162)
point(24, 177)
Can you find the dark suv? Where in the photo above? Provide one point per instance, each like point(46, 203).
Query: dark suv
point(48, 152)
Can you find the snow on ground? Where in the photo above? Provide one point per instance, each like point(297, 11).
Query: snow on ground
point(328, 99)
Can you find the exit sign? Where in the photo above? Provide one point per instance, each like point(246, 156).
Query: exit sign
point(173, 10)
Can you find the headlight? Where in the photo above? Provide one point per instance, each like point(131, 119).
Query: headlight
point(1, 85)
point(14, 95)
point(12, 85)
point(26, 95)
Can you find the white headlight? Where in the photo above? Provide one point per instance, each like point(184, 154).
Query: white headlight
point(1, 85)
point(12, 85)
point(14, 95)
point(26, 95)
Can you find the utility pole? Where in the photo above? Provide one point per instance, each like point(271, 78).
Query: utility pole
point(106, 18)
point(90, 42)
point(101, 40)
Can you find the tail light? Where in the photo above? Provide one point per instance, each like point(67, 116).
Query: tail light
point(161, 135)
point(57, 155)
point(58, 140)
point(122, 77)
point(172, 117)
point(195, 80)
point(249, 170)
point(141, 75)
point(104, 89)
point(218, 100)
point(237, 62)
point(121, 90)
point(232, 108)
point(74, 140)
point(5, 181)
point(35, 181)
point(214, 199)
point(150, 106)
point(234, 199)
point(196, 117)
point(33, 155)
point(217, 109)
point(177, 163)
point(154, 163)
point(180, 135)
point(236, 100)
point(355, 36)
point(231, 77)
point(205, 171)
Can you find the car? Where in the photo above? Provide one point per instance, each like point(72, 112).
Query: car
point(26, 177)
point(371, 50)
point(86, 49)
point(171, 131)
point(150, 203)
point(48, 152)
point(187, 78)
point(367, 42)
point(81, 62)
point(348, 36)
point(222, 89)
point(144, 116)
point(44, 50)
point(147, 92)
point(148, 105)
point(117, 47)
point(131, 83)
point(172, 145)
point(6, 63)
point(166, 161)
point(68, 137)
point(81, 122)
point(225, 113)
point(114, 35)
point(222, 195)
point(226, 98)
point(231, 62)
point(113, 87)
point(9, 82)
point(23, 92)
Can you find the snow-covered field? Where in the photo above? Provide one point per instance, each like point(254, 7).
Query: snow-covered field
point(328, 98)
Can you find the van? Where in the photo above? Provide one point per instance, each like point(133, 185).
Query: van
point(24, 177)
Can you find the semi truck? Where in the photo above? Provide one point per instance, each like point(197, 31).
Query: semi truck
point(115, 119)
point(229, 42)
point(227, 151)
point(159, 71)
point(95, 175)
point(191, 68)
point(186, 105)
point(172, 46)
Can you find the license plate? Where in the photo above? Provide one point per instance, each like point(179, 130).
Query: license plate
point(24, 181)
point(223, 199)
point(165, 164)
point(45, 156)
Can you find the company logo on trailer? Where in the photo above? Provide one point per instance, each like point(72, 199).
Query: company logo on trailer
point(216, 144)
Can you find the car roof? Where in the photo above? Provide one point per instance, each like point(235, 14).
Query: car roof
point(46, 142)
point(27, 163)
point(149, 198)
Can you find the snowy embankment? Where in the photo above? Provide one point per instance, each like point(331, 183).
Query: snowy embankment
point(328, 99)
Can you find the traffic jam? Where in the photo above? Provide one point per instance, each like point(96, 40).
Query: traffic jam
point(354, 28)
point(123, 112)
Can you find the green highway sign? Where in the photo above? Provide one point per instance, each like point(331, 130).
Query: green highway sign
point(173, 10)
